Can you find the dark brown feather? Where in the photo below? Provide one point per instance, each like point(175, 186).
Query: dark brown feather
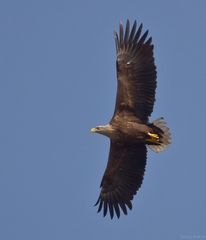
point(136, 73)
point(122, 178)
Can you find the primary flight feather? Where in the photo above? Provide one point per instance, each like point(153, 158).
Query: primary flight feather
point(129, 130)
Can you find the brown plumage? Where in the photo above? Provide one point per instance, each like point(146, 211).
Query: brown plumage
point(136, 72)
point(129, 129)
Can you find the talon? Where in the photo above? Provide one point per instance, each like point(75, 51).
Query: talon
point(153, 137)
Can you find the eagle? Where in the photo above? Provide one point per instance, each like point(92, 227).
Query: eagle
point(129, 130)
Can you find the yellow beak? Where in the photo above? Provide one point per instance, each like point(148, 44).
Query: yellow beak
point(93, 129)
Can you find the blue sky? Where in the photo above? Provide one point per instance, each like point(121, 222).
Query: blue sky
point(58, 80)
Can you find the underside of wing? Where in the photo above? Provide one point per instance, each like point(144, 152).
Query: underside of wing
point(122, 178)
point(136, 72)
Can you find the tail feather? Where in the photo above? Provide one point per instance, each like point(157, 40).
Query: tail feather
point(165, 135)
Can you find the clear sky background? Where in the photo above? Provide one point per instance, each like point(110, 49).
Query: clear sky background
point(57, 80)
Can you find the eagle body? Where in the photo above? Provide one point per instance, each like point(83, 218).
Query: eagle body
point(130, 131)
point(124, 130)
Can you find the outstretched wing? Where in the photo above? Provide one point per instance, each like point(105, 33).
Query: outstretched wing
point(136, 72)
point(122, 178)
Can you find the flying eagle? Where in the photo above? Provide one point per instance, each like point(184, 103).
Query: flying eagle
point(129, 130)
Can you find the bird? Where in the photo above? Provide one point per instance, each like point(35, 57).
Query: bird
point(130, 132)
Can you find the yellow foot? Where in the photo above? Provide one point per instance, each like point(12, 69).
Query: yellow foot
point(153, 137)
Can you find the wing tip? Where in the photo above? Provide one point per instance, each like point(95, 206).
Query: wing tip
point(130, 40)
point(113, 208)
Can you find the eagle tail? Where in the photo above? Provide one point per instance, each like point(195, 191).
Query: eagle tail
point(160, 127)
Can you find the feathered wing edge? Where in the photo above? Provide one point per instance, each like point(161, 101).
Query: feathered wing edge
point(130, 42)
